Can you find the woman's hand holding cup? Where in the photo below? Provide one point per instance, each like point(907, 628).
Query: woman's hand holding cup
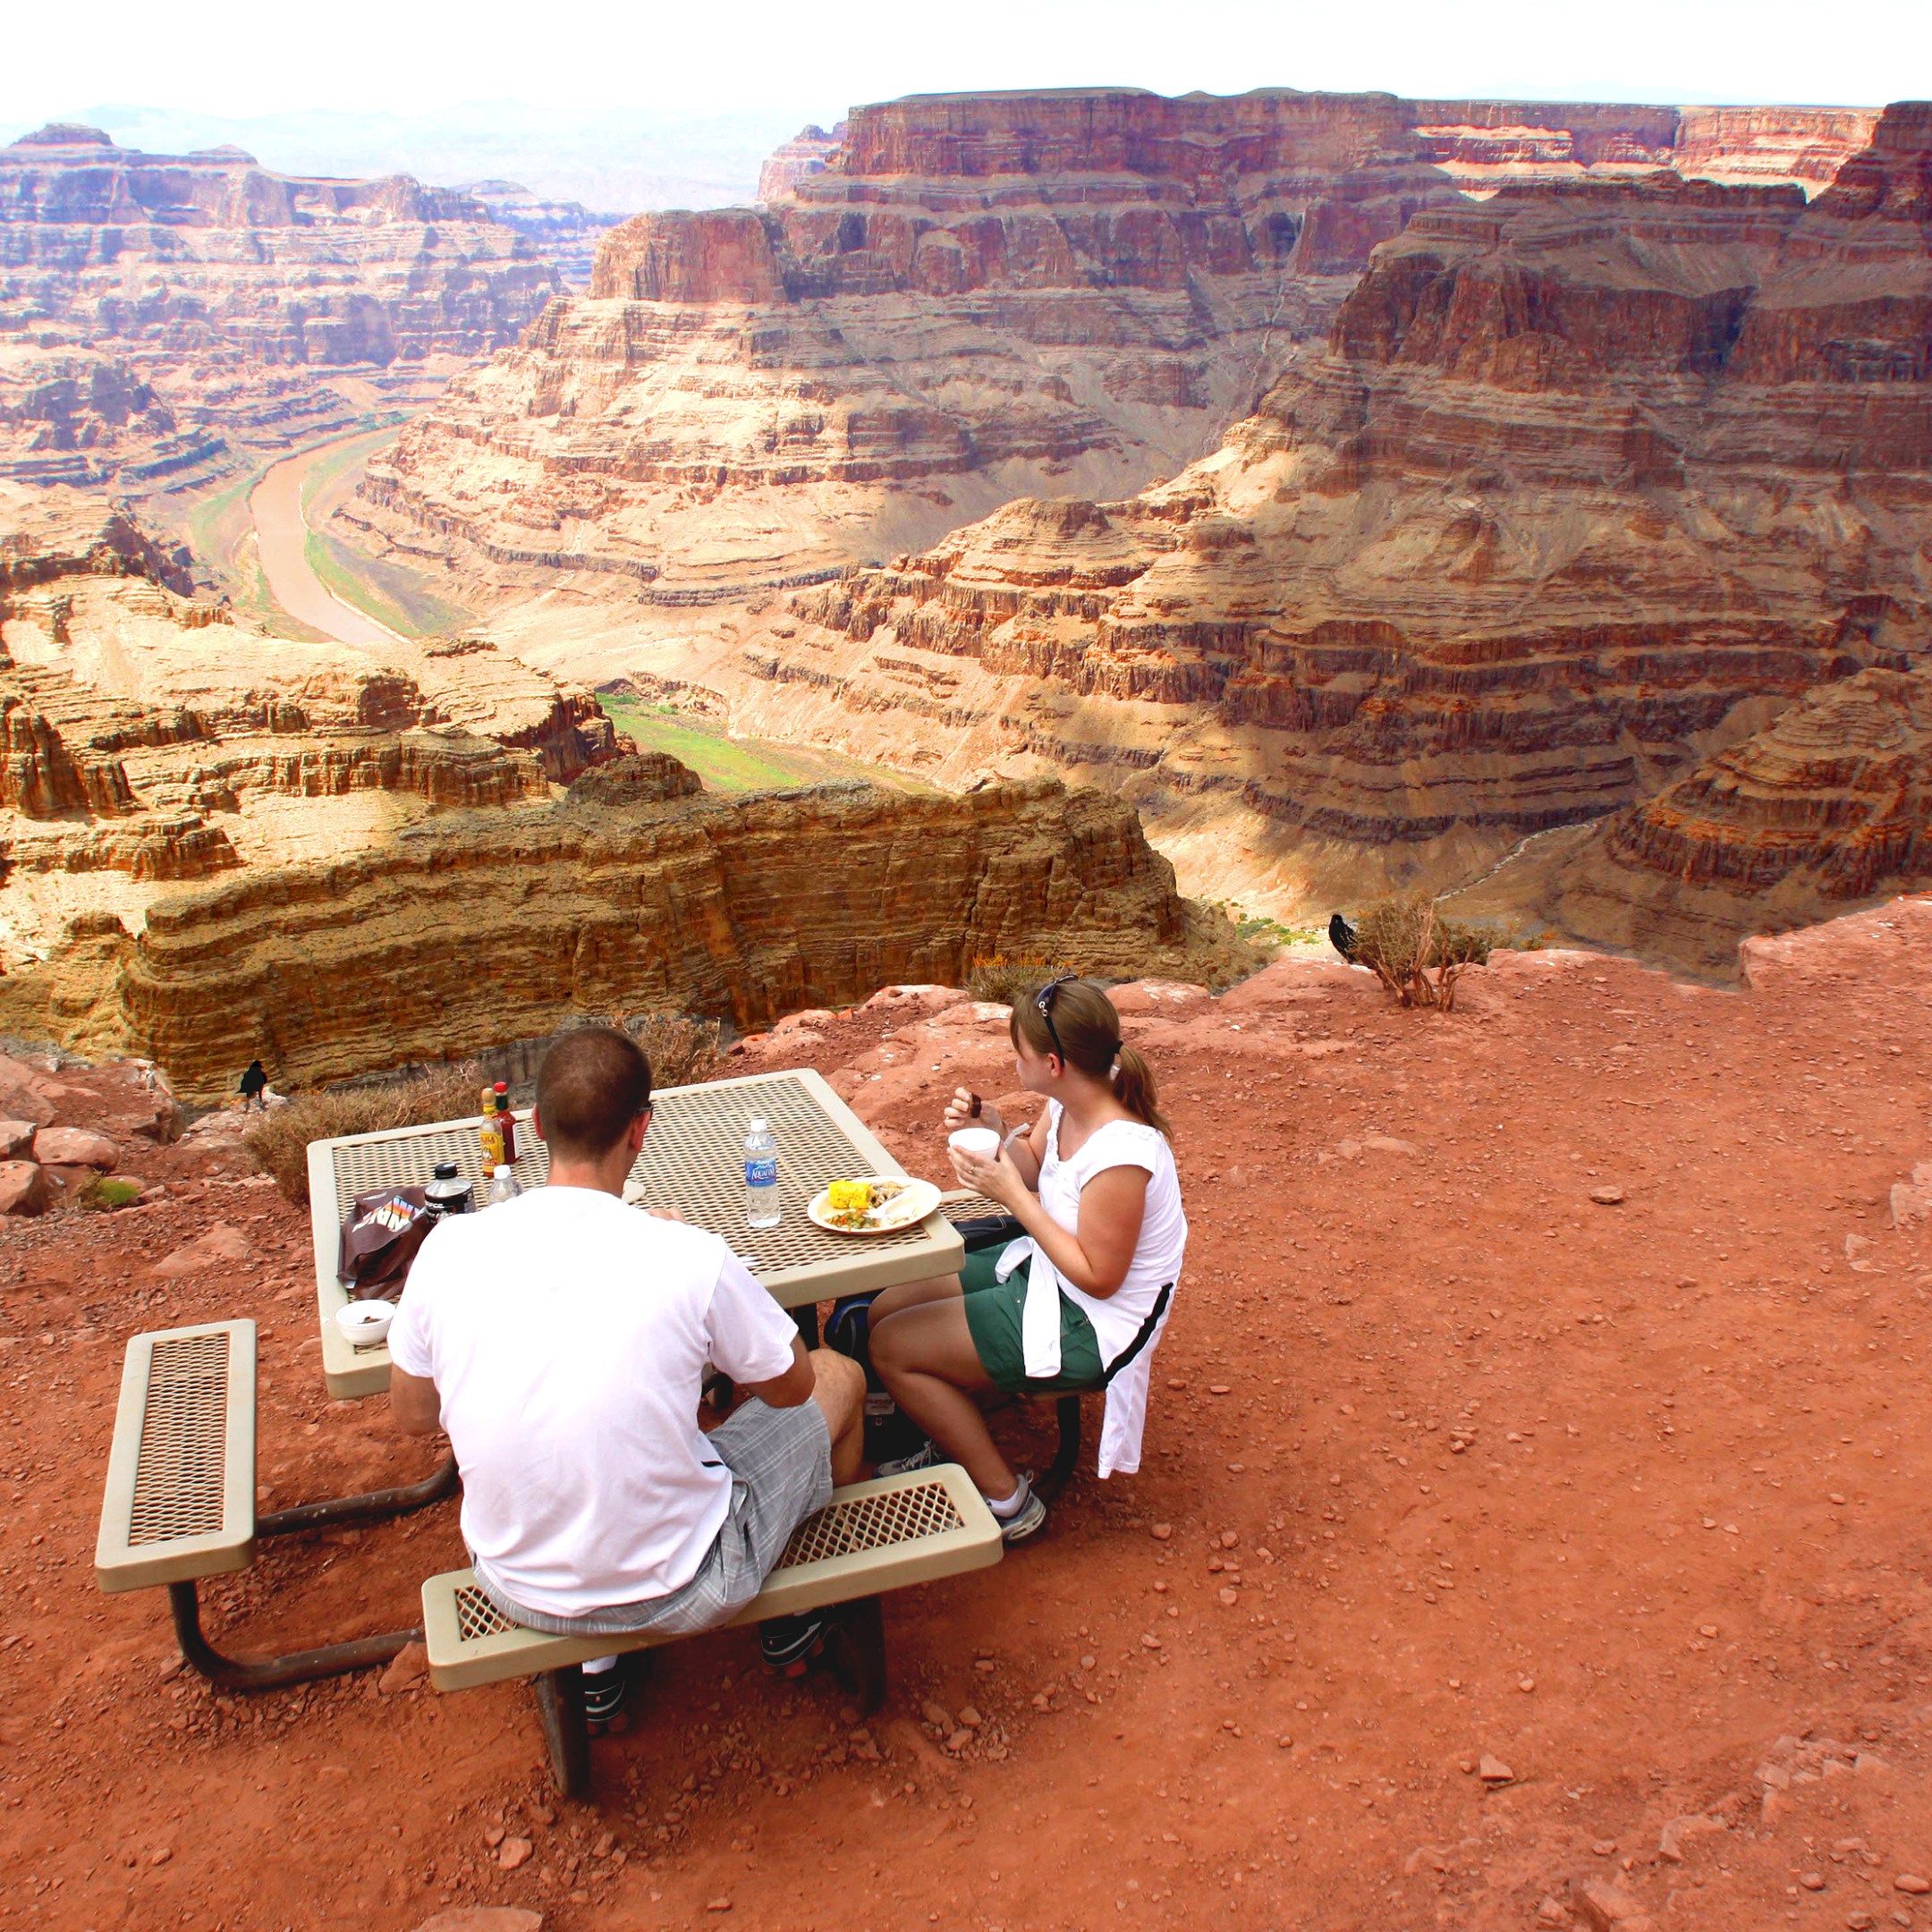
point(981, 1163)
point(967, 1109)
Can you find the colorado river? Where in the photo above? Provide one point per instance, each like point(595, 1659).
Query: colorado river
point(281, 536)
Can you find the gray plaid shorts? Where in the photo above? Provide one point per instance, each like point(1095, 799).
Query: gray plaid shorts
point(781, 1466)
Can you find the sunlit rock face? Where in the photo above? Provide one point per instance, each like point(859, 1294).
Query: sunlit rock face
point(953, 301)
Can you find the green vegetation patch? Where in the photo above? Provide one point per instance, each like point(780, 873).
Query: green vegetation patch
point(727, 764)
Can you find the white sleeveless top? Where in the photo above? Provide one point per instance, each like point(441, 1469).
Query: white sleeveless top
point(1118, 1317)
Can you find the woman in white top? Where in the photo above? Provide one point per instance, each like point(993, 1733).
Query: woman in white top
point(1080, 1300)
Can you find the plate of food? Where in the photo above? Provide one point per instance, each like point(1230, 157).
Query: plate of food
point(876, 1204)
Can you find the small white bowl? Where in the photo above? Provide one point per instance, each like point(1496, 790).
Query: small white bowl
point(365, 1323)
point(981, 1142)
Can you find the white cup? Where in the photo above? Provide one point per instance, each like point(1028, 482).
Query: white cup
point(981, 1142)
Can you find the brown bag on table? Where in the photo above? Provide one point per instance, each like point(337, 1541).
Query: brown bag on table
point(380, 1238)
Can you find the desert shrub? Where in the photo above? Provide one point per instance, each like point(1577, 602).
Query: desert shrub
point(683, 1052)
point(277, 1142)
point(1416, 953)
point(103, 1194)
point(994, 977)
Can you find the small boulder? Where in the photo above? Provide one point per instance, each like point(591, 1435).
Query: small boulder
point(1604, 1907)
point(409, 1666)
point(1607, 1196)
point(75, 1146)
point(16, 1139)
point(24, 1188)
point(221, 1244)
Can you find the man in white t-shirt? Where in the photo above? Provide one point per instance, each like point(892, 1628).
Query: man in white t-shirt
point(561, 1339)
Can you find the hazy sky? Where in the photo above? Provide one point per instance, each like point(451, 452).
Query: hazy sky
point(227, 57)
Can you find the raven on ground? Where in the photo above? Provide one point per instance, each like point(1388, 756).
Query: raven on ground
point(1341, 937)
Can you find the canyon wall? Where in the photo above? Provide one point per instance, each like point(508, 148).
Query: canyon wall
point(1590, 479)
point(163, 315)
point(147, 738)
point(749, 907)
point(957, 301)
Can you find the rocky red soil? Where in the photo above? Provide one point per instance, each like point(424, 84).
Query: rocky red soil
point(1530, 1531)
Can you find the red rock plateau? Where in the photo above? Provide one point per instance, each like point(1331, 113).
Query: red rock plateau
point(1501, 1557)
point(165, 317)
point(148, 739)
point(1590, 480)
point(960, 301)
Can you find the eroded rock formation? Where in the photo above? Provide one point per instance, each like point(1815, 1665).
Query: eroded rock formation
point(148, 738)
point(1829, 805)
point(162, 314)
point(962, 300)
point(480, 930)
point(1590, 478)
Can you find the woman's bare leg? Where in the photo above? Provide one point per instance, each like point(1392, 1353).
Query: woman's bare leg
point(912, 1294)
point(925, 1355)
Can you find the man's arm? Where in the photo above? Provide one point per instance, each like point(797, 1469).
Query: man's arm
point(414, 1403)
point(794, 1388)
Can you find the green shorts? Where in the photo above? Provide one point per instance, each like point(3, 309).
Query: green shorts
point(993, 1309)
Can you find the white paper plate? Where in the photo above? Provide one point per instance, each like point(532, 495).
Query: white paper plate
point(915, 1200)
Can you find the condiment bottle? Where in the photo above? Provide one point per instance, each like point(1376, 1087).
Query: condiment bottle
point(447, 1193)
point(506, 1121)
point(492, 1134)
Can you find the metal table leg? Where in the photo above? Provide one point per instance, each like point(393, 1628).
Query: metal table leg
point(377, 1505)
point(560, 1701)
point(1060, 1470)
point(273, 1673)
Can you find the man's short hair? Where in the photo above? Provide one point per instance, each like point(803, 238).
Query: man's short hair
point(592, 1084)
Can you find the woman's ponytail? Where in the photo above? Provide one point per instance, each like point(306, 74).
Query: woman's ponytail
point(1133, 1085)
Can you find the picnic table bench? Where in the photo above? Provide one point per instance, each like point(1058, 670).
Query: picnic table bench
point(872, 1536)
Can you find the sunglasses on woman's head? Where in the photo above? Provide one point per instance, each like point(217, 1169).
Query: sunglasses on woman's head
point(1044, 1000)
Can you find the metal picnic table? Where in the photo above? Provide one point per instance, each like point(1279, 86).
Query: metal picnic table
point(692, 1160)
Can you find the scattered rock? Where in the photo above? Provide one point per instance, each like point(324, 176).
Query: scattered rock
point(75, 1146)
point(1606, 1197)
point(16, 1136)
point(1494, 1771)
point(220, 1243)
point(970, 1717)
point(936, 1714)
point(1911, 1882)
point(1671, 1838)
point(24, 1188)
point(513, 1852)
point(1161, 1531)
point(1813, 1881)
point(717, 1905)
point(409, 1666)
point(1604, 1907)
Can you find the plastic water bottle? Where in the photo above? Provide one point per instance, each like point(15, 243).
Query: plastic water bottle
point(761, 1206)
point(503, 1188)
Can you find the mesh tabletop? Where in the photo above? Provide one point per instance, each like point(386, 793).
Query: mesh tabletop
point(693, 1160)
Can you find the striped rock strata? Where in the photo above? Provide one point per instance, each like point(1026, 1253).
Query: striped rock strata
point(961, 300)
point(1590, 480)
point(484, 929)
point(146, 737)
point(161, 316)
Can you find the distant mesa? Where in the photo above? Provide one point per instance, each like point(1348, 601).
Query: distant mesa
point(65, 134)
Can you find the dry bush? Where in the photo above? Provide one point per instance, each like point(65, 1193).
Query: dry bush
point(683, 1052)
point(1415, 953)
point(994, 977)
point(277, 1142)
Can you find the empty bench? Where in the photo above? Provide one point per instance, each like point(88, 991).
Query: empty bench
point(178, 1503)
point(871, 1537)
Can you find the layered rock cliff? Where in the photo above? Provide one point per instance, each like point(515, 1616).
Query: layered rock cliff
point(961, 300)
point(751, 907)
point(162, 314)
point(148, 738)
point(1590, 478)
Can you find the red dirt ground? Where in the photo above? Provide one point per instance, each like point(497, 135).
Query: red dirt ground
point(1446, 1459)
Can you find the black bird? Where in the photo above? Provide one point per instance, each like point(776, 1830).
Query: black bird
point(1341, 937)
